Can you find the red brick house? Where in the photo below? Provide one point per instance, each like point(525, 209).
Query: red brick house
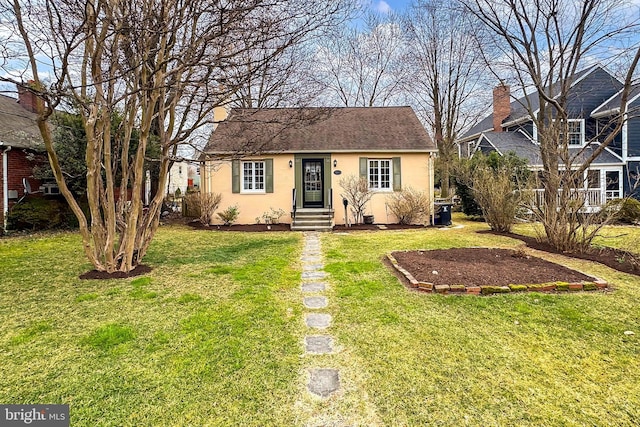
point(20, 140)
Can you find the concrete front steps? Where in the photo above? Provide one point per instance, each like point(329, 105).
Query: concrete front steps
point(307, 219)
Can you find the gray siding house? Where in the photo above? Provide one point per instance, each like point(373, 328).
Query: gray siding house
point(593, 101)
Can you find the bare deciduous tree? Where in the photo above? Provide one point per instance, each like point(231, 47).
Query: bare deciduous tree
point(444, 67)
point(542, 45)
point(163, 65)
point(363, 68)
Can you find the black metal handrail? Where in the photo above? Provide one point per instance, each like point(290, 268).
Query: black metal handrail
point(293, 212)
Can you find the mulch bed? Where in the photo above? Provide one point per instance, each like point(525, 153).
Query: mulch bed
point(241, 227)
point(483, 267)
point(103, 275)
point(614, 258)
point(285, 227)
point(375, 227)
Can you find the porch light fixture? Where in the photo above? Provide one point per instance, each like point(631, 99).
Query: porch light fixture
point(290, 163)
point(335, 163)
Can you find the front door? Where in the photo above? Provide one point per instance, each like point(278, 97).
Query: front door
point(312, 173)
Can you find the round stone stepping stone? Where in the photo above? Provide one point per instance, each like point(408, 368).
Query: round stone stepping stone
point(313, 275)
point(323, 381)
point(318, 320)
point(313, 287)
point(318, 344)
point(312, 259)
point(315, 302)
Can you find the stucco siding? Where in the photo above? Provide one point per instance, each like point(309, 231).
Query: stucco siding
point(217, 178)
point(416, 172)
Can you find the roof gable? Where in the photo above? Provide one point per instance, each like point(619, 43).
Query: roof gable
point(18, 126)
point(320, 130)
point(590, 88)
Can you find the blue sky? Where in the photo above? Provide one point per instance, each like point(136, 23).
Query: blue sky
point(386, 6)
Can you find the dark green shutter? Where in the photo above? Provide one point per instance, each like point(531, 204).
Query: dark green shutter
point(364, 167)
point(298, 177)
point(235, 176)
point(268, 175)
point(397, 175)
point(327, 182)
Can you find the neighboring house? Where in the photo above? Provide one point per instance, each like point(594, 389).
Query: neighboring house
point(591, 105)
point(179, 177)
point(293, 159)
point(20, 140)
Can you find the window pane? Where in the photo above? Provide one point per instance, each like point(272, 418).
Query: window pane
point(385, 173)
point(259, 175)
point(252, 176)
point(247, 181)
point(613, 180)
point(373, 174)
point(593, 179)
point(575, 133)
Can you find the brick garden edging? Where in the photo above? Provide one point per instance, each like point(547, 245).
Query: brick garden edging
point(488, 290)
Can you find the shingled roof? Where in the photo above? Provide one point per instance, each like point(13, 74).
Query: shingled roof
point(517, 142)
point(521, 107)
point(315, 130)
point(18, 126)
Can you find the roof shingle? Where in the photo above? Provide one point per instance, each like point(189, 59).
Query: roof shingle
point(18, 126)
point(267, 130)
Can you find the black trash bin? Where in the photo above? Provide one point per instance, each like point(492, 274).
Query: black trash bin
point(442, 214)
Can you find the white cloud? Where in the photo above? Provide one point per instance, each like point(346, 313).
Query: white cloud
point(382, 7)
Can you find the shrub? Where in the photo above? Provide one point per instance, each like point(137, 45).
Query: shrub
point(497, 183)
point(37, 213)
point(209, 203)
point(409, 206)
point(229, 215)
point(357, 193)
point(624, 210)
point(467, 202)
point(272, 216)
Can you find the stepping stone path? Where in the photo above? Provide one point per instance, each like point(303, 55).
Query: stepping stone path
point(315, 302)
point(322, 381)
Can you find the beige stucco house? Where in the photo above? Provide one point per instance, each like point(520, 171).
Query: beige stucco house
point(294, 159)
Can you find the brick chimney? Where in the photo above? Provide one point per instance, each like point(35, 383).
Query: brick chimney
point(27, 99)
point(501, 105)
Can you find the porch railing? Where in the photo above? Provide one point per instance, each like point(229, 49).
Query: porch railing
point(591, 199)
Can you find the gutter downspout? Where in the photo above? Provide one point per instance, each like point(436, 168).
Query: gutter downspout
point(5, 185)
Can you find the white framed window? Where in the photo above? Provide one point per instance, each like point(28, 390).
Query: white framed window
point(575, 132)
point(253, 177)
point(380, 174)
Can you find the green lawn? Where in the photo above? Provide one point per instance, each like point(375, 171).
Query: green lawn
point(213, 336)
